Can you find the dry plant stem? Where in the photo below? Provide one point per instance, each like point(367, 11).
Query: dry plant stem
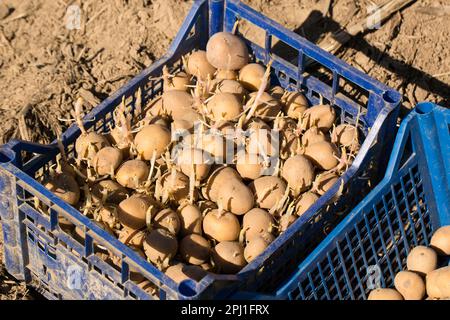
point(280, 204)
point(166, 75)
point(261, 89)
point(88, 205)
point(78, 111)
point(235, 26)
point(125, 123)
point(24, 134)
point(148, 217)
point(79, 173)
point(62, 153)
point(192, 184)
point(138, 105)
point(339, 38)
point(184, 60)
point(152, 168)
point(158, 189)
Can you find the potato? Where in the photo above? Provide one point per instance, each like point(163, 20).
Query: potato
point(108, 191)
point(65, 224)
point(384, 294)
point(299, 173)
point(267, 108)
point(286, 220)
point(224, 106)
point(295, 104)
point(228, 257)
point(197, 159)
point(198, 65)
point(256, 223)
point(260, 142)
point(421, 260)
point(107, 160)
point(254, 248)
point(230, 86)
point(109, 215)
point(438, 283)
point(321, 116)
point(324, 181)
point(256, 124)
point(175, 186)
point(162, 121)
point(346, 135)
point(195, 249)
point(65, 187)
point(134, 238)
point(167, 219)
point(277, 92)
point(217, 179)
point(80, 235)
point(290, 144)
point(323, 155)
point(160, 246)
point(235, 197)
point(223, 227)
point(410, 285)
point(268, 191)
point(148, 287)
point(152, 139)
point(211, 142)
point(226, 51)
point(191, 220)
point(305, 201)
point(313, 135)
point(226, 75)
point(175, 102)
point(181, 125)
point(180, 272)
point(251, 76)
point(87, 145)
point(249, 166)
point(440, 241)
point(132, 212)
point(178, 105)
point(132, 174)
point(179, 81)
point(118, 138)
point(67, 168)
point(135, 274)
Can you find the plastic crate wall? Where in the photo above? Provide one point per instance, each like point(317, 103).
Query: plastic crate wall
point(37, 249)
point(403, 211)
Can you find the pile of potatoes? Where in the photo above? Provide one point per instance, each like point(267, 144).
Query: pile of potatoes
point(170, 201)
point(422, 279)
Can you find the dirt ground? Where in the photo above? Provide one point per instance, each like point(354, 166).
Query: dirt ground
point(45, 67)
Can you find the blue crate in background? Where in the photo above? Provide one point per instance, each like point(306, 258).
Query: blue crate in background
point(39, 251)
point(403, 211)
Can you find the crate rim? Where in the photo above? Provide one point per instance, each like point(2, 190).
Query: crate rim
point(422, 109)
point(8, 151)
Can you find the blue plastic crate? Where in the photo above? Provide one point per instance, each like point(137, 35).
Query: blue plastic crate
point(403, 211)
point(39, 251)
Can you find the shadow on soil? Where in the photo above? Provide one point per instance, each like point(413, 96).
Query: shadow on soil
point(316, 25)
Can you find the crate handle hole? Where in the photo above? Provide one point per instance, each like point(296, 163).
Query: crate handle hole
point(391, 96)
point(424, 107)
point(6, 155)
point(187, 288)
